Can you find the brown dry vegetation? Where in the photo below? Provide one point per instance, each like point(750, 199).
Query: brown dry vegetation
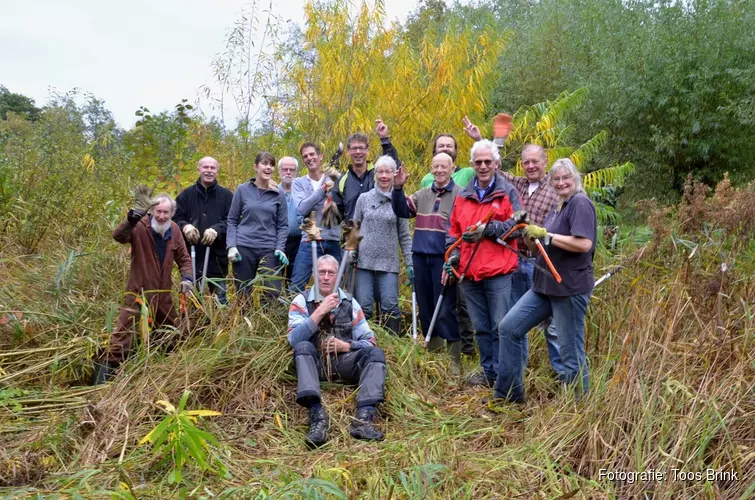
point(670, 342)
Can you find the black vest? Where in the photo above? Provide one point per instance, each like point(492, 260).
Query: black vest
point(340, 326)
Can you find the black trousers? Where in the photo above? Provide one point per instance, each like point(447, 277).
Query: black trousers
point(254, 261)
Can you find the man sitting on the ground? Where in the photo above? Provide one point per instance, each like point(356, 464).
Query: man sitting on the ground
point(332, 341)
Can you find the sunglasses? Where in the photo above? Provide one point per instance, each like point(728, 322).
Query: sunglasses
point(479, 163)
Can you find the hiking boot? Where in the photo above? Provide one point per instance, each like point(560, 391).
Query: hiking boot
point(393, 325)
point(468, 347)
point(479, 378)
point(103, 372)
point(362, 426)
point(318, 427)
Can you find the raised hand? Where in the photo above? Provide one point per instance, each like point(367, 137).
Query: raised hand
point(381, 128)
point(471, 129)
point(400, 178)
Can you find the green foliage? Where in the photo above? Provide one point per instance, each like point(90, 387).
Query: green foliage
point(17, 103)
point(672, 82)
point(52, 170)
point(547, 124)
point(178, 439)
point(159, 145)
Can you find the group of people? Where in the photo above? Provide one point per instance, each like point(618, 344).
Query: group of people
point(478, 241)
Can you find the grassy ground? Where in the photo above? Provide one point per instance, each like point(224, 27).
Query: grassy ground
point(670, 343)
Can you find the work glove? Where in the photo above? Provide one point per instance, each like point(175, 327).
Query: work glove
point(143, 200)
point(186, 287)
point(410, 273)
point(475, 234)
point(281, 257)
point(498, 228)
point(453, 261)
point(234, 255)
point(191, 233)
point(355, 258)
point(209, 236)
point(520, 217)
point(351, 235)
point(536, 232)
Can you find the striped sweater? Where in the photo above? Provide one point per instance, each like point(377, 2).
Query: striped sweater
point(301, 328)
point(432, 207)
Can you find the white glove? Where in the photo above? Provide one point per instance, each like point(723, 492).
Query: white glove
point(327, 184)
point(209, 236)
point(234, 255)
point(191, 233)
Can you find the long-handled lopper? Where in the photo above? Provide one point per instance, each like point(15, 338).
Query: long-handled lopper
point(204, 268)
point(193, 266)
point(459, 277)
point(414, 311)
point(309, 226)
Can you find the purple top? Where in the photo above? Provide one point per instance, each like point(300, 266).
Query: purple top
point(576, 218)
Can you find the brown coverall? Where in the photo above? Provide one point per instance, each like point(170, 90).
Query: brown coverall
point(147, 274)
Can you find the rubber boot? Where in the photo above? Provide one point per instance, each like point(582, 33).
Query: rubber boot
point(318, 427)
point(435, 344)
point(103, 372)
point(454, 349)
point(362, 426)
point(393, 324)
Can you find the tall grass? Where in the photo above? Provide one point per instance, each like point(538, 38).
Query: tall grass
point(670, 344)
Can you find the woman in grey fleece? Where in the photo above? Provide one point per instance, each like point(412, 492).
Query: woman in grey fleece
point(258, 227)
point(378, 260)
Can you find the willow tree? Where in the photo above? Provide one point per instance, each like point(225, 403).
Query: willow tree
point(354, 69)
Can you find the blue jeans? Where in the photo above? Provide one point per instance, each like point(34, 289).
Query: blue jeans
point(303, 262)
point(521, 282)
point(568, 315)
point(380, 283)
point(488, 301)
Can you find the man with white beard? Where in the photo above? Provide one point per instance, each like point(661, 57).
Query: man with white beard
point(156, 244)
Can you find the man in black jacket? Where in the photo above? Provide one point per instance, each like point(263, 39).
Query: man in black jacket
point(201, 213)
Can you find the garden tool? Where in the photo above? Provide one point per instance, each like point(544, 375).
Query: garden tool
point(331, 216)
point(458, 276)
point(414, 311)
point(204, 268)
point(193, 265)
point(312, 232)
point(501, 128)
point(351, 239)
point(606, 276)
point(458, 242)
point(342, 268)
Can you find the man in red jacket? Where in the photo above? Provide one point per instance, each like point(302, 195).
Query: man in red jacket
point(486, 265)
point(156, 243)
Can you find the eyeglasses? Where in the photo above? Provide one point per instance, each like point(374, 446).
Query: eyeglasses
point(357, 149)
point(479, 163)
point(325, 272)
point(564, 178)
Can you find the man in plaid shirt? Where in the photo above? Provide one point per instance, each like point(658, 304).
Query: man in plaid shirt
point(538, 199)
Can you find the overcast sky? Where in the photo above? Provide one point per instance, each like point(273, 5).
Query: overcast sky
point(136, 53)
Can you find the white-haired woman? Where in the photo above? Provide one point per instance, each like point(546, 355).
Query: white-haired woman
point(378, 254)
point(569, 234)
